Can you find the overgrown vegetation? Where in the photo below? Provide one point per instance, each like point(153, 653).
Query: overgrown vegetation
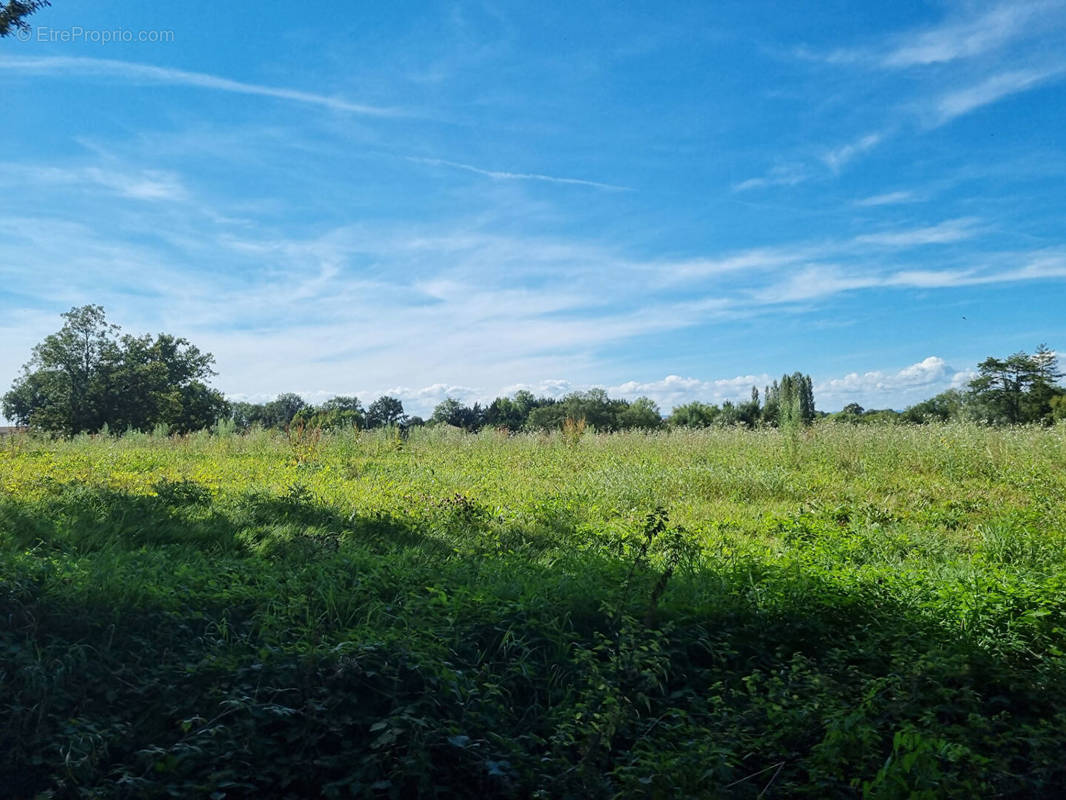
point(875, 612)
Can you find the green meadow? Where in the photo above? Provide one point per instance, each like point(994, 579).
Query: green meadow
point(849, 611)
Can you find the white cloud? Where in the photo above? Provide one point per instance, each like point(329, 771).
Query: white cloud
point(461, 309)
point(757, 259)
point(952, 230)
point(889, 198)
point(796, 173)
point(144, 184)
point(1041, 265)
point(519, 176)
point(965, 38)
point(135, 72)
point(813, 282)
point(962, 101)
point(780, 175)
point(892, 389)
point(979, 54)
point(674, 390)
point(960, 37)
point(835, 159)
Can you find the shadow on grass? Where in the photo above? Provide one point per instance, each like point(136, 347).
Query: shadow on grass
point(381, 663)
point(80, 519)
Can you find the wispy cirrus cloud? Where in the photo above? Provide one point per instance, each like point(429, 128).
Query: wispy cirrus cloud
point(281, 310)
point(958, 102)
point(135, 72)
point(968, 35)
point(979, 54)
point(518, 176)
point(753, 260)
point(779, 175)
point(796, 173)
point(952, 230)
point(835, 251)
point(889, 198)
point(463, 327)
point(837, 158)
point(816, 282)
point(137, 184)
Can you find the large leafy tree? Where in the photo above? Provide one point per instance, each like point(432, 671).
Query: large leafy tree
point(451, 412)
point(86, 376)
point(1017, 389)
point(385, 411)
point(943, 407)
point(513, 412)
point(791, 401)
point(161, 381)
point(695, 415)
point(507, 414)
point(62, 387)
point(343, 403)
point(337, 412)
point(600, 412)
point(642, 413)
point(280, 411)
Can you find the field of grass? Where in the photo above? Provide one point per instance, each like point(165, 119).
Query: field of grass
point(860, 612)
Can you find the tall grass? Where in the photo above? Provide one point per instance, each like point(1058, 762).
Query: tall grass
point(853, 611)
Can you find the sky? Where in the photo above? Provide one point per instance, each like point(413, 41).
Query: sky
point(678, 200)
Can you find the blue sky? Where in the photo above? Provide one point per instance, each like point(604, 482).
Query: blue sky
point(425, 199)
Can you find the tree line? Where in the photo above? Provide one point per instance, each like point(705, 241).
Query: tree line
point(789, 401)
point(1022, 389)
point(89, 377)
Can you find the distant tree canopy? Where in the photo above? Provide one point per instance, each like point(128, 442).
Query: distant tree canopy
point(14, 12)
point(943, 407)
point(789, 401)
point(452, 412)
point(695, 415)
point(291, 409)
point(1020, 389)
point(385, 411)
point(1017, 389)
point(523, 411)
point(511, 413)
point(86, 376)
point(287, 410)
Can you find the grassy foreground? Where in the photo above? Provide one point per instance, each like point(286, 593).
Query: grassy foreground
point(863, 612)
